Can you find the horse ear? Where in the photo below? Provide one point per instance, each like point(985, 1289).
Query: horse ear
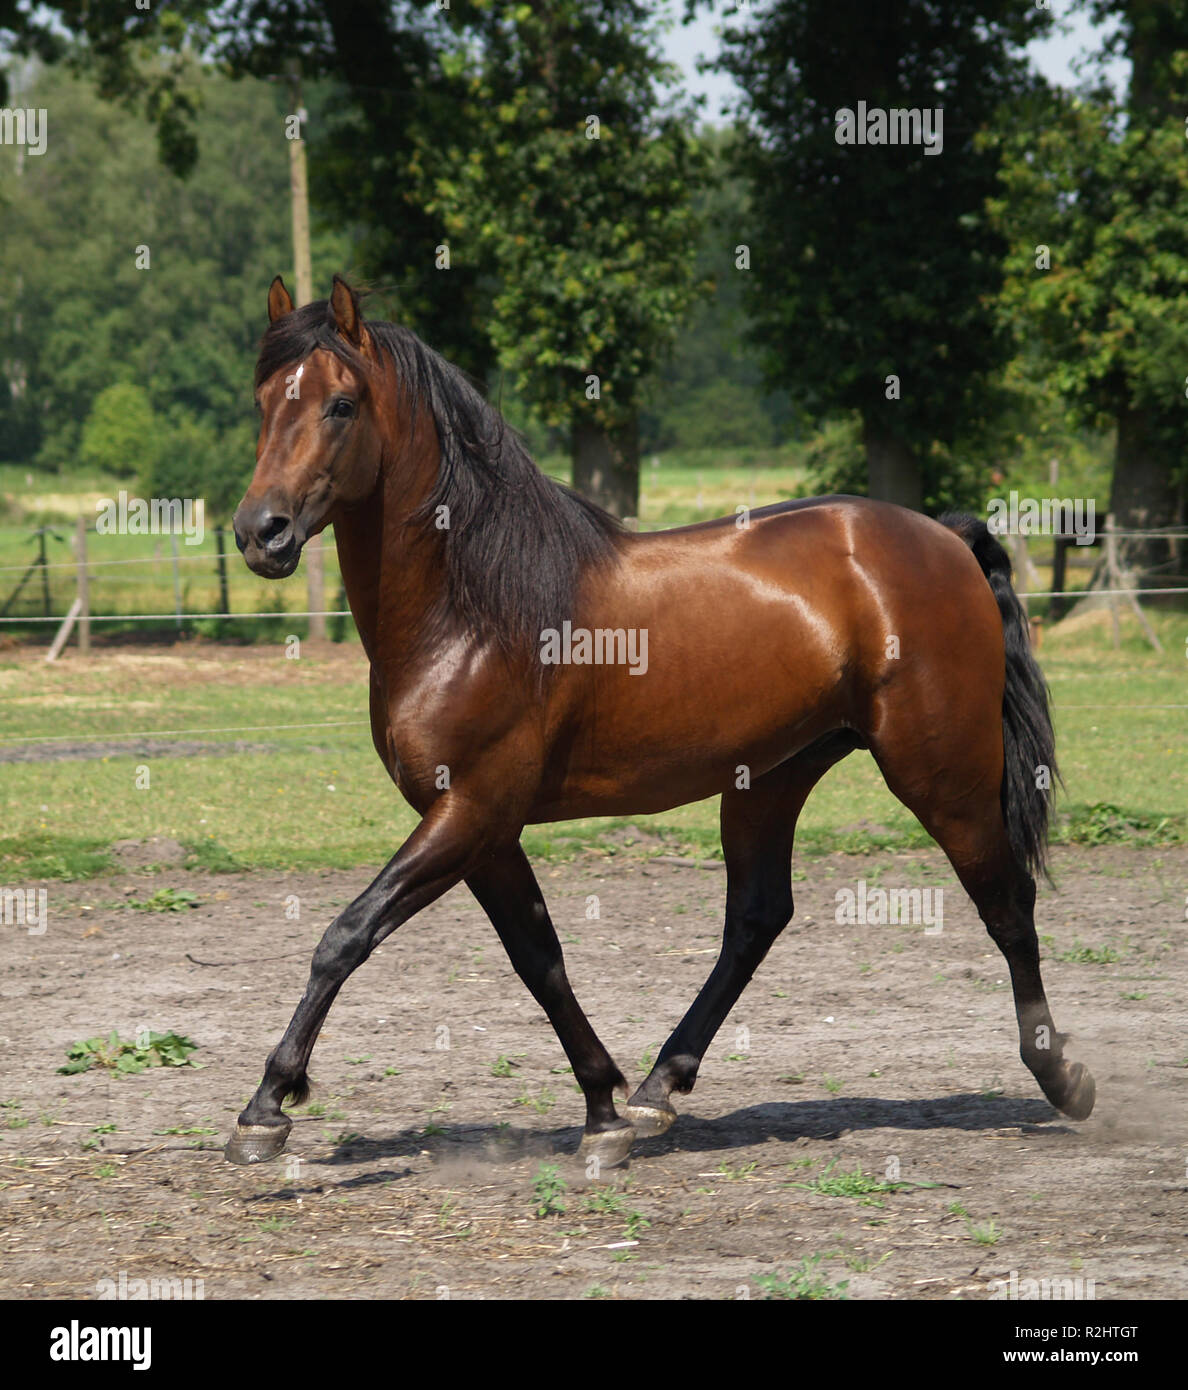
point(280, 301)
point(344, 312)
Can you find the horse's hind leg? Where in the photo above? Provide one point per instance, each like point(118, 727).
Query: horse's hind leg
point(758, 825)
point(507, 890)
point(952, 785)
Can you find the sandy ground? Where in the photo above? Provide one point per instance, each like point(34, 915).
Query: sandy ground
point(875, 1047)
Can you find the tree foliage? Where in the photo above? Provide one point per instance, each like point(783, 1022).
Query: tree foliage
point(1094, 206)
point(121, 435)
point(569, 256)
point(877, 261)
point(115, 274)
point(576, 190)
point(1098, 224)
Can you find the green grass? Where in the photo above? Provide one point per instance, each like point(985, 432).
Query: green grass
point(548, 1189)
point(114, 1053)
point(131, 573)
point(857, 1184)
point(166, 900)
point(803, 1282)
point(1125, 768)
point(986, 1234)
point(1090, 955)
point(697, 485)
point(1122, 751)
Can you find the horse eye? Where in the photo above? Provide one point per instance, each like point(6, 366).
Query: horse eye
point(342, 409)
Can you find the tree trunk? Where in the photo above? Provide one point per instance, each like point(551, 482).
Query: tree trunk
point(1057, 605)
point(1143, 494)
point(606, 466)
point(893, 470)
point(221, 566)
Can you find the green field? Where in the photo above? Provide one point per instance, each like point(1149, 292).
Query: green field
point(132, 574)
point(309, 790)
point(136, 575)
point(315, 794)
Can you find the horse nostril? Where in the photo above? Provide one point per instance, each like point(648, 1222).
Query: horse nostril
point(274, 530)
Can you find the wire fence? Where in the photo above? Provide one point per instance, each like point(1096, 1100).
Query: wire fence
point(272, 616)
point(148, 582)
point(181, 733)
point(168, 585)
point(145, 583)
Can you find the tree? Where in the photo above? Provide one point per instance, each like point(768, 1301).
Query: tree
point(120, 436)
point(1094, 200)
point(140, 56)
point(574, 184)
point(710, 393)
point(381, 103)
point(404, 81)
point(162, 286)
point(873, 268)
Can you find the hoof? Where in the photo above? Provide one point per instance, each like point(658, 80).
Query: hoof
point(1081, 1093)
point(256, 1143)
point(649, 1120)
point(609, 1146)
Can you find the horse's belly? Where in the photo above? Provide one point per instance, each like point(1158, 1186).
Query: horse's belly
point(651, 775)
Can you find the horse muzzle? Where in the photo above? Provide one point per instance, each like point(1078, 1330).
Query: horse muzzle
point(269, 539)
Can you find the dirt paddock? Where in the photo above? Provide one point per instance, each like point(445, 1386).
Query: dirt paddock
point(441, 1099)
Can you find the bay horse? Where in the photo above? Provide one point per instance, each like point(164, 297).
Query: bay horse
point(532, 660)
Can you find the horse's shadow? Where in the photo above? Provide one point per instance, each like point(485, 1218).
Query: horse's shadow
point(783, 1121)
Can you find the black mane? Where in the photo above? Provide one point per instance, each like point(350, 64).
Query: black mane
point(518, 543)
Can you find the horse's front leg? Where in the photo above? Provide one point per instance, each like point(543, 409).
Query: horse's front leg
point(437, 855)
point(508, 892)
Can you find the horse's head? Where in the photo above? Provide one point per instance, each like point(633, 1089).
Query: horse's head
point(319, 445)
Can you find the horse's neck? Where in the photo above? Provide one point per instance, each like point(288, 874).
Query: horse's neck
point(357, 536)
point(394, 575)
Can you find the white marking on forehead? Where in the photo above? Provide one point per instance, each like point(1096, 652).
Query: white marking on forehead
point(298, 372)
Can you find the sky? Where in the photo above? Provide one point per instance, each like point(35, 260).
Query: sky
point(1054, 56)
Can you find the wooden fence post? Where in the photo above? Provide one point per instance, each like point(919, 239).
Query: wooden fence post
point(1112, 578)
point(177, 593)
point(1115, 578)
point(63, 631)
point(316, 563)
point(84, 588)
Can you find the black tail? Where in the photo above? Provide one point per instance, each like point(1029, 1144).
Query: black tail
point(1029, 772)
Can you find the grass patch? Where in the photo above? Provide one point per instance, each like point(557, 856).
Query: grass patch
point(856, 1184)
point(548, 1190)
point(166, 900)
point(210, 855)
point(1107, 824)
point(113, 1053)
point(309, 798)
point(42, 855)
point(804, 1282)
point(1090, 955)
